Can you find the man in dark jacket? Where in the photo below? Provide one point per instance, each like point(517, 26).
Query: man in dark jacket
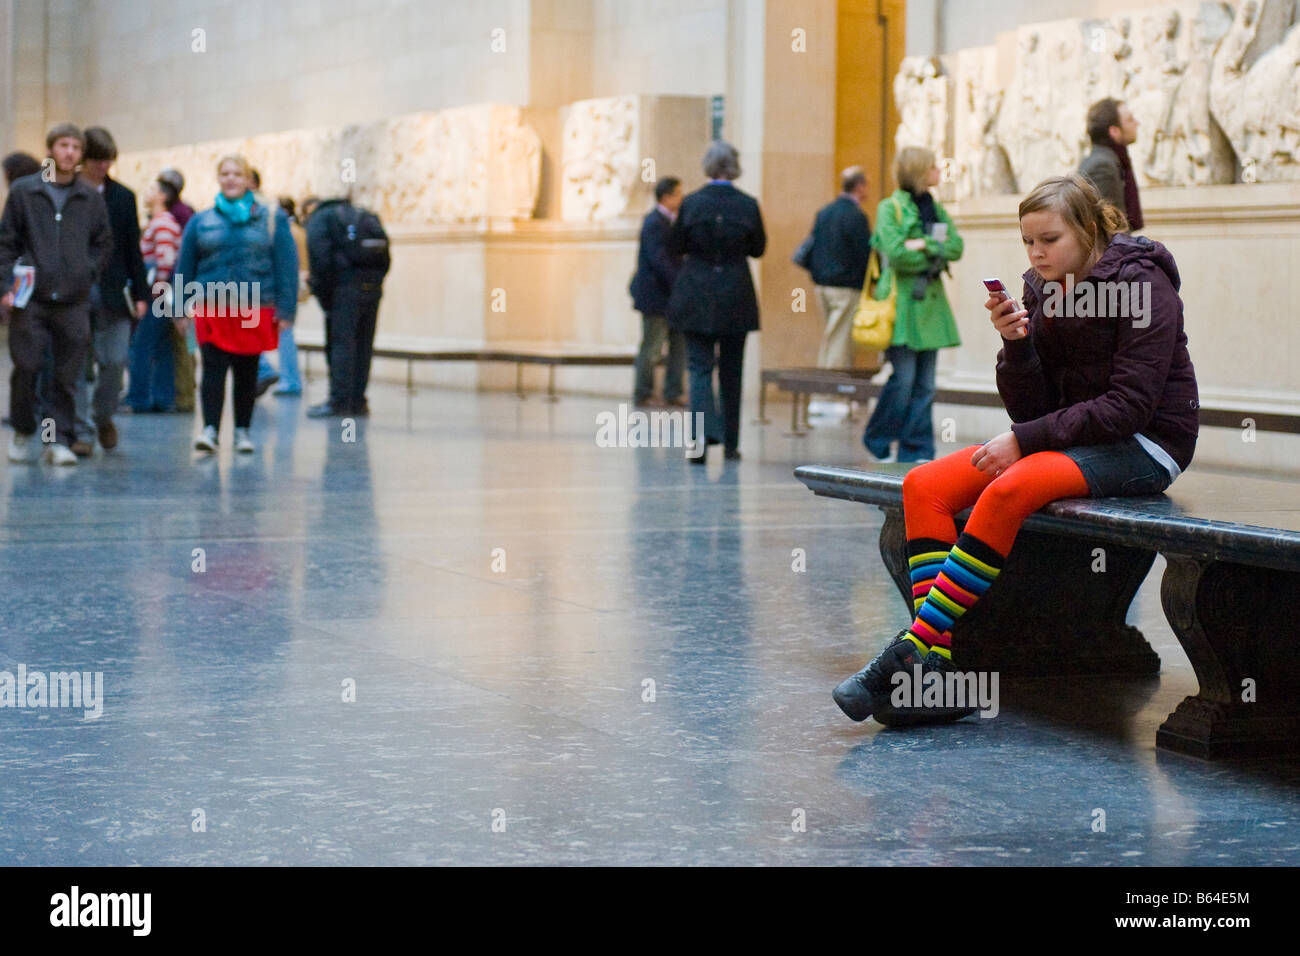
point(841, 247)
point(59, 226)
point(347, 280)
point(713, 300)
point(656, 269)
point(116, 303)
point(1112, 128)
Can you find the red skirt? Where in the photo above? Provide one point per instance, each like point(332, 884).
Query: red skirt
point(240, 335)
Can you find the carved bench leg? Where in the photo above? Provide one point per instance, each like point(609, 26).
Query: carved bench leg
point(1240, 627)
point(1059, 605)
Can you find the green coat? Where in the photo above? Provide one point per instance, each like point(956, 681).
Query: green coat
point(927, 324)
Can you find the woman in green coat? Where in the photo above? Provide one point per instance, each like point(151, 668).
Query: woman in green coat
point(916, 238)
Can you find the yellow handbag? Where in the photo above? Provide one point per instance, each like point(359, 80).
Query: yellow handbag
point(873, 323)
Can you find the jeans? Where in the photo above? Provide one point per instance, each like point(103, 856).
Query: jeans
point(654, 330)
point(98, 395)
point(153, 383)
point(290, 377)
point(213, 390)
point(904, 407)
point(727, 352)
point(34, 333)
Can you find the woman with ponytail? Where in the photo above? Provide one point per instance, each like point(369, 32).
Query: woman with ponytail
point(1096, 378)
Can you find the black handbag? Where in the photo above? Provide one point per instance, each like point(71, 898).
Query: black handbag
point(803, 255)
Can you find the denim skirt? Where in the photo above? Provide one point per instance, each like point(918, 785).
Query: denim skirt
point(1119, 469)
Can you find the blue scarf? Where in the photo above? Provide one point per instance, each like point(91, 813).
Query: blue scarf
point(236, 210)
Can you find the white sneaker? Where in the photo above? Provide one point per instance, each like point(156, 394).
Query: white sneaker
point(243, 444)
point(60, 455)
point(20, 448)
point(207, 440)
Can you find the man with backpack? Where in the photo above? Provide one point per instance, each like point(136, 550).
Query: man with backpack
point(348, 257)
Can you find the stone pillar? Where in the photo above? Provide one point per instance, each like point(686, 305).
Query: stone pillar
point(798, 169)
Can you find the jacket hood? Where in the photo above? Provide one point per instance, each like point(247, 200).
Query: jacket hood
point(1123, 257)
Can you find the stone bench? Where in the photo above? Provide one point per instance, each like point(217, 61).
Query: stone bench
point(1230, 592)
point(520, 353)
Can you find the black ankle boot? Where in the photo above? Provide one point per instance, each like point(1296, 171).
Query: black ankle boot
point(868, 690)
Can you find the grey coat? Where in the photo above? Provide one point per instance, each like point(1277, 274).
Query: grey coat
point(1102, 167)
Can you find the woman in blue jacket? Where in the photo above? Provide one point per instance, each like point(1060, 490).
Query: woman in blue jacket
point(237, 275)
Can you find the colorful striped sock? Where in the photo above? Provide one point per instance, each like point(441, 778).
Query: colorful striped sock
point(925, 557)
point(969, 569)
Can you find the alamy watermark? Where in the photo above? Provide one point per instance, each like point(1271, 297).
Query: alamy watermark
point(638, 429)
point(31, 689)
point(1091, 300)
point(216, 298)
point(954, 689)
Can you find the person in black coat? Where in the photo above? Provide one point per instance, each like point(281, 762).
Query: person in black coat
point(713, 300)
point(112, 318)
point(656, 271)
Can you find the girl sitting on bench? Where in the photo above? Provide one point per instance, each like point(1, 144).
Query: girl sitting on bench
point(1095, 375)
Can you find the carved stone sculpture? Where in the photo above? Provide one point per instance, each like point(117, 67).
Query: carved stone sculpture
point(456, 165)
point(1215, 88)
point(922, 92)
point(1255, 89)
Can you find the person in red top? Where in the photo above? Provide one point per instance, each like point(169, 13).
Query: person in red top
point(153, 386)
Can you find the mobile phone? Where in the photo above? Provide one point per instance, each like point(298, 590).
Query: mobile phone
point(996, 288)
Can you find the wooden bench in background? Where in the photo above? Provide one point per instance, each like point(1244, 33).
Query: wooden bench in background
point(856, 386)
point(1231, 594)
point(520, 353)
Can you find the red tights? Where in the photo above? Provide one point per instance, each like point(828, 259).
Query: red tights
point(934, 492)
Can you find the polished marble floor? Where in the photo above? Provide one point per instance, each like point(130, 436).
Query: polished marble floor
point(558, 653)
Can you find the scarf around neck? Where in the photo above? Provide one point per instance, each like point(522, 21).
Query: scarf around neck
point(925, 206)
point(236, 210)
point(1132, 204)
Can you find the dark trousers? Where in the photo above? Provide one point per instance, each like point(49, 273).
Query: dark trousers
point(350, 341)
point(727, 352)
point(34, 332)
point(654, 332)
point(213, 390)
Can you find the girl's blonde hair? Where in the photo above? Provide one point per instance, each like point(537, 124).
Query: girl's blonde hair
point(910, 167)
point(1092, 219)
point(239, 161)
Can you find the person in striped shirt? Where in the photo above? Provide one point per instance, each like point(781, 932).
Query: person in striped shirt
point(152, 386)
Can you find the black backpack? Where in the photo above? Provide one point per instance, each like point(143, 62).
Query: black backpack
point(362, 241)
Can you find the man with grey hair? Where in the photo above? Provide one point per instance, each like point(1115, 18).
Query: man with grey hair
point(841, 246)
point(717, 230)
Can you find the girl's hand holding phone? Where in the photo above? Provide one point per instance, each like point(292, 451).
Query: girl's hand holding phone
point(1009, 319)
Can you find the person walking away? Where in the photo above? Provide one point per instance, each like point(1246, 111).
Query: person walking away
point(348, 256)
point(717, 230)
point(917, 239)
point(656, 269)
point(59, 229)
point(841, 249)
